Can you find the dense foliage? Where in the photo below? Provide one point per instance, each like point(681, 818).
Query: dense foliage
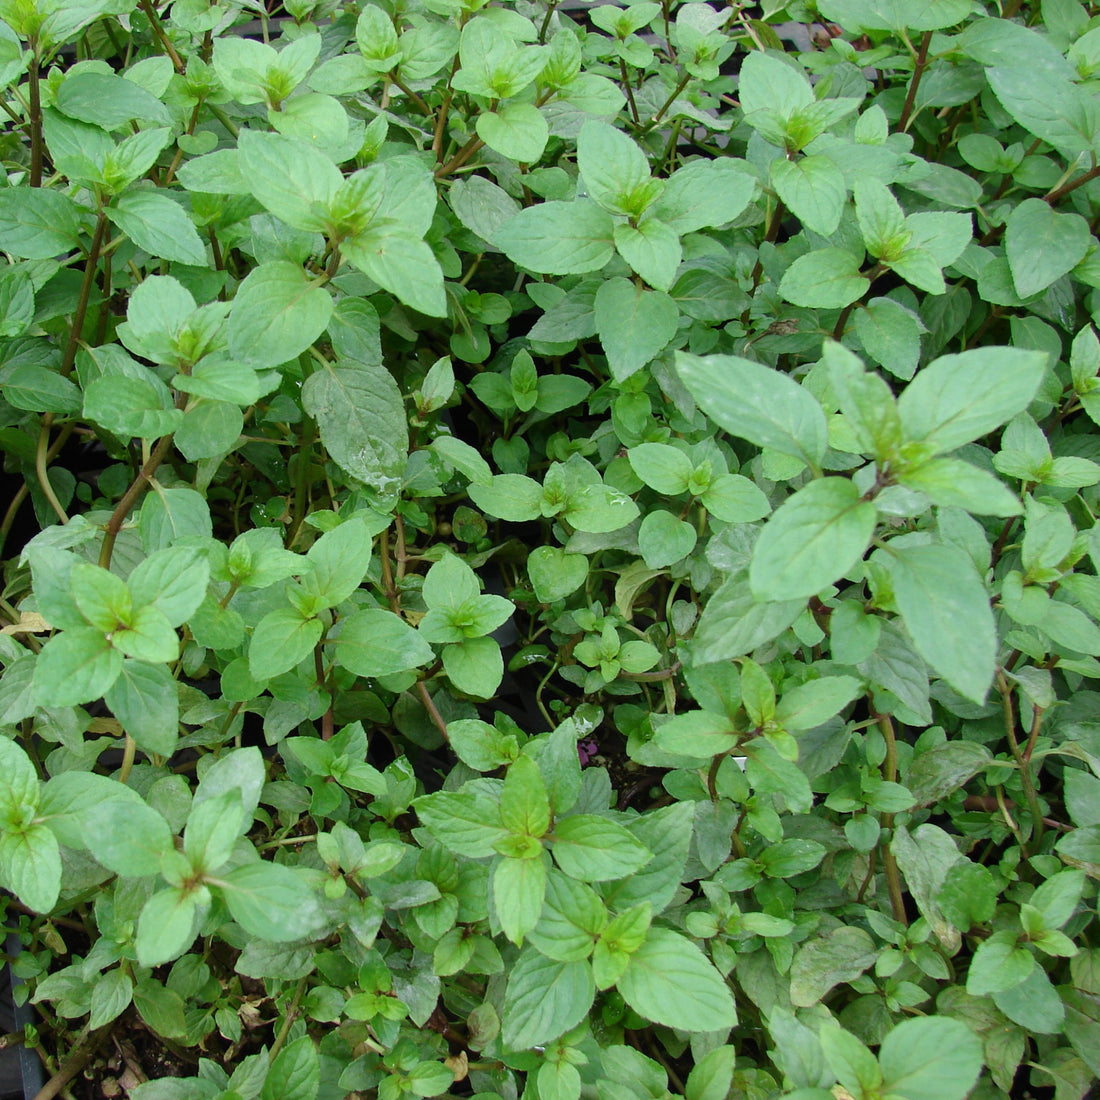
point(564, 551)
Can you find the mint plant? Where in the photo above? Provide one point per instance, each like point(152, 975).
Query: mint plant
point(551, 549)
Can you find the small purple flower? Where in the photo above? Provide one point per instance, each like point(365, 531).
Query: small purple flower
point(586, 750)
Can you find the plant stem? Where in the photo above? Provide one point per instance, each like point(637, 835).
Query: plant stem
point(550, 9)
point(289, 1018)
point(1060, 192)
point(86, 284)
point(629, 93)
point(460, 157)
point(158, 29)
point(82, 1053)
point(914, 84)
point(40, 459)
point(432, 709)
point(137, 487)
point(1024, 764)
point(35, 117)
point(889, 865)
point(129, 751)
point(671, 99)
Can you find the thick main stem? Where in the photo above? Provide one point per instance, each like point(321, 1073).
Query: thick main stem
point(889, 864)
point(914, 84)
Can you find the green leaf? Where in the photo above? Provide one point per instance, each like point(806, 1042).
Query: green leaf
point(361, 417)
point(960, 398)
point(1042, 245)
point(555, 574)
point(129, 407)
point(271, 902)
point(375, 642)
point(282, 639)
point(999, 964)
point(76, 666)
point(172, 580)
point(39, 224)
point(516, 130)
point(213, 826)
point(108, 100)
point(513, 497)
point(161, 1009)
point(896, 15)
point(827, 278)
point(399, 261)
point(669, 980)
point(30, 866)
point(698, 733)
point(479, 745)
point(705, 193)
point(167, 926)
point(811, 540)
point(277, 313)
point(544, 999)
point(558, 238)
point(663, 539)
point(937, 588)
point(158, 225)
point(757, 403)
point(128, 838)
point(614, 169)
point(1048, 105)
point(293, 180)
point(852, 1063)
point(813, 189)
point(340, 559)
point(148, 637)
point(810, 704)
point(111, 996)
point(662, 467)
point(652, 248)
point(518, 887)
point(145, 701)
point(18, 784)
point(824, 962)
point(634, 325)
point(881, 219)
point(464, 823)
point(593, 849)
point(891, 335)
point(711, 1077)
point(734, 623)
point(1034, 1004)
point(953, 483)
point(295, 1073)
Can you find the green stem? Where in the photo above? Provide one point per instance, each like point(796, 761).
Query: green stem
point(671, 99)
point(289, 1018)
point(40, 460)
point(629, 93)
point(1022, 762)
point(550, 9)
